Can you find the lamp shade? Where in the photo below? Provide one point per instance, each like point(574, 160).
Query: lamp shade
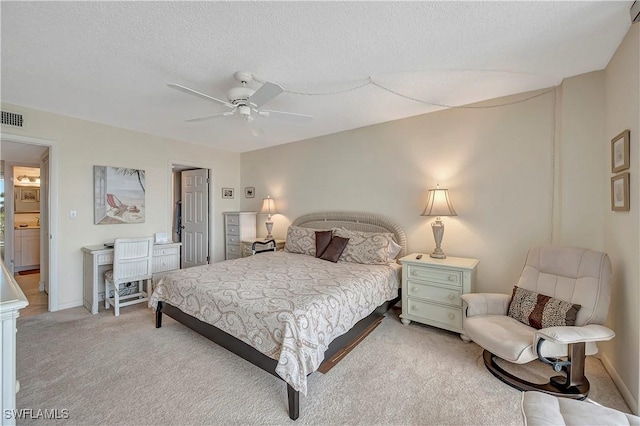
point(268, 206)
point(438, 203)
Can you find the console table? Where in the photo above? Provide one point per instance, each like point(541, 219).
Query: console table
point(98, 259)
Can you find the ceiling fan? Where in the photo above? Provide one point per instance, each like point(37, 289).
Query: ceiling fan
point(246, 101)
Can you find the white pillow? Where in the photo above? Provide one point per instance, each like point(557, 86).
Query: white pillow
point(394, 250)
point(371, 248)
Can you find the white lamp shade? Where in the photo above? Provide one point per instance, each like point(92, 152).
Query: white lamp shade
point(438, 204)
point(268, 206)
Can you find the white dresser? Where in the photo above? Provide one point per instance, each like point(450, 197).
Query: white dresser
point(238, 226)
point(431, 289)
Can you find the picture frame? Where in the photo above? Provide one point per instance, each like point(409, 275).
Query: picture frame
point(227, 193)
point(249, 192)
point(118, 195)
point(620, 193)
point(620, 152)
point(29, 195)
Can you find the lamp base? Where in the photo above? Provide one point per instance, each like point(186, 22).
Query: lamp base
point(438, 232)
point(269, 226)
point(438, 254)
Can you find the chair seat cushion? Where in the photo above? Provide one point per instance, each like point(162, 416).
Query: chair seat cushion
point(108, 276)
point(540, 409)
point(503, 336)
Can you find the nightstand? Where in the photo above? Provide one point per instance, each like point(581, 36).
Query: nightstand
point(246, 245)
point(431, 289)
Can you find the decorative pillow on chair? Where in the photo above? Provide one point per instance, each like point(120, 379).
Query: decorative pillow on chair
point(301, 240)
point(334, 249)
point(323, 238)
point(540, 311)
point(365, 247)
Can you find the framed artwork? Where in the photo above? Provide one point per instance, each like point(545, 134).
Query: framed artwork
point(620, 152)
point(249, 192)
point(29, 195)
point(620, 193)
point(227, 192)
point(118, 195)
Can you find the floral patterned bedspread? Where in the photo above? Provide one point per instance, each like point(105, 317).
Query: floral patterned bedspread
point(288, 306)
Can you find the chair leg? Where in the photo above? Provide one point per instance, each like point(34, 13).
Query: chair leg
point(106, 294)
point(116, 299)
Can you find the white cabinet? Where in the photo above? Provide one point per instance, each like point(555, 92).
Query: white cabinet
point(246, 245)
point(238, 226)
point(166, 258)
point(26, 252)
point(431, 289)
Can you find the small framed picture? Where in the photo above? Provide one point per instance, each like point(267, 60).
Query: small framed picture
point(29, 195)
point(249, 192)
point(227, 192)
point(620, 152)
point(620, 193)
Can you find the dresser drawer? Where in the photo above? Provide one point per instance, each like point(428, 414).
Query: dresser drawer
point(233, 219)
point(165, 263)
point(233, 230)
point(166, 251)
point(105, 258)
point(451, 317)
point(233, 250)
point(443, 276)
point(445, 295)
point(233, 239)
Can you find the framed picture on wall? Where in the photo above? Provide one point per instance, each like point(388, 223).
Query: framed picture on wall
point(620, 192)
point(249, 192)
point(620, 152)
point(227, 192)
point(118, 195)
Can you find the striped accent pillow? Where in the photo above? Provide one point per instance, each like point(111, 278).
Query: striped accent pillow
point(540, 311)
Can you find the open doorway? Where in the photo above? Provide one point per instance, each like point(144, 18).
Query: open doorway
point(190, 211)
point(25, 222)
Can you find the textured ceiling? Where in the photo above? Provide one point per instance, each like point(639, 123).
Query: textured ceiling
point(110, 62)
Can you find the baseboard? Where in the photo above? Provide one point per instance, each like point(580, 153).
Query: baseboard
point(622, 387)
point(69, 305)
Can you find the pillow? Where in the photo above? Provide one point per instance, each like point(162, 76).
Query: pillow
point(394, 249)
point(540, 311)
point(301, 240)
point(334, 249)
point(365, 247)
point(323, 238)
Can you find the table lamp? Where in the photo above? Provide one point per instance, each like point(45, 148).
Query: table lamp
point(438, 204)
point(268, 208)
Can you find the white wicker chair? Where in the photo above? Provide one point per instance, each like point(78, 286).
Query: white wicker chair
point(132, 262)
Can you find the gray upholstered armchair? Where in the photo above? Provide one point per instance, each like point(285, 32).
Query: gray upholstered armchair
point(554, 314)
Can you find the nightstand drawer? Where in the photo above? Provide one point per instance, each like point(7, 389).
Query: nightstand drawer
point(233, 250)
point(445, 295)
point(438, 313)
point(443, 276)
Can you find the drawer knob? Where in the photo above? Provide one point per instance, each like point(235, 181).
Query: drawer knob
point(452, 278)
point(451, 296)
point(414, 273)
point(415, 289)
point(414, 307)
point(451, 316)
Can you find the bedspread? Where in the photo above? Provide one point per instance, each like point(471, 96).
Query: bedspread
point(288, 306)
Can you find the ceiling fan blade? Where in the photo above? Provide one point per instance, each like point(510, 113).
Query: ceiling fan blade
point(265, 93)
point(198, 94)
point(300, 118)
point(209, 117)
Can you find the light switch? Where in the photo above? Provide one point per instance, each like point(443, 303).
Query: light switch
point(73, 214)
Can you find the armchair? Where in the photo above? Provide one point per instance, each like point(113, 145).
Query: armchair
point(556, 282)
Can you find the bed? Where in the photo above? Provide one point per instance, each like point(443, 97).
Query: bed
point(289, 312)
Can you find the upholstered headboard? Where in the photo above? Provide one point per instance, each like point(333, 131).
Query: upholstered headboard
point(355, 221)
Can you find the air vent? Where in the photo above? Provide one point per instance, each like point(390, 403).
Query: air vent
point(11, 119)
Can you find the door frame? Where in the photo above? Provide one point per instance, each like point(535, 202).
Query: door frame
point(53, 208)
point(171, 200)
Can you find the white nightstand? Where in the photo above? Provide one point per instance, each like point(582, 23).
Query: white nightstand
point(246, 245)
point(431, 289)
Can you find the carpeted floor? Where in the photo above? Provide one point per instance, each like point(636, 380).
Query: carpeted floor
point(117, 371)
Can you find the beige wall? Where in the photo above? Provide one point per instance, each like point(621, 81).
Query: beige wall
point(496, 162)
point(621, 236)
point(83, 144)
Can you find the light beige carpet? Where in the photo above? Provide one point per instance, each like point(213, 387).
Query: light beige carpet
point(117, 371)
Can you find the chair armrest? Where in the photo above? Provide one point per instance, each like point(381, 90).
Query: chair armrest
point(486, 303)
point(571, 334)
